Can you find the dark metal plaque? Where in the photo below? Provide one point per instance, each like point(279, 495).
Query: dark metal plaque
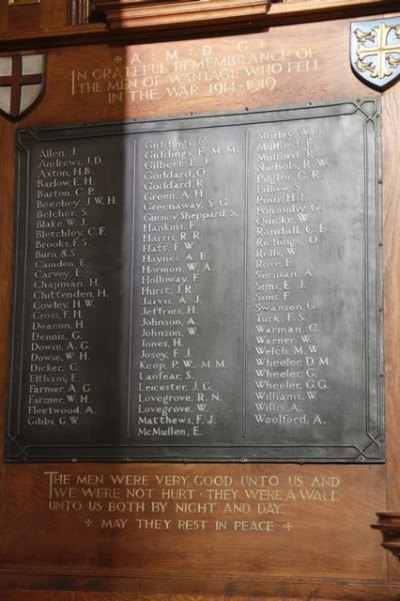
point(199, 289)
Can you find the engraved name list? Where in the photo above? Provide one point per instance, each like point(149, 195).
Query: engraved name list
point(199, 288)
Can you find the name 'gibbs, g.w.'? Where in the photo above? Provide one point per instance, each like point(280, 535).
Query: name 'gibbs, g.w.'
point(206, 301)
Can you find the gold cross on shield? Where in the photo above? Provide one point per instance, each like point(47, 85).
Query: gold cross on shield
point(382, 52)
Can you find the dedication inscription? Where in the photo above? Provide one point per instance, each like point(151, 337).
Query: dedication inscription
point(199, 288)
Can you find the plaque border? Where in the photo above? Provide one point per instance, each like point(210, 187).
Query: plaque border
point(18, 450)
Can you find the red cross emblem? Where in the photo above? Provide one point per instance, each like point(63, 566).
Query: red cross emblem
point(21, 84)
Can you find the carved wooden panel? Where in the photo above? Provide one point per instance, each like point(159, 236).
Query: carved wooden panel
point(58, 22)
point(129, 532)
point(143, 14)
point(78, 12)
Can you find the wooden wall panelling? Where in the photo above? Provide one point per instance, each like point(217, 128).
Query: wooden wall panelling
point(391, 115)
point(85, 82)
point(132, 13)
point(303, 9)
point(6, 237)
point(36, 18)
point(130, 21)
point(332, 553)
point(139, 15)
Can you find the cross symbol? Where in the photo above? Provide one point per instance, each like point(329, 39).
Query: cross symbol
point(288, 526)
point(16, 80)
point(381, 51)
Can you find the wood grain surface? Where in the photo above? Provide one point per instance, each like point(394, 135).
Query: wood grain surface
point(50, 552)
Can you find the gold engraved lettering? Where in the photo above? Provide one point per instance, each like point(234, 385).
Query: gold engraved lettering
point(191, 71)
point(264, 503)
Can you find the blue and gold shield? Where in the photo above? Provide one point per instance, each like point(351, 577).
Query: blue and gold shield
point(375, 51)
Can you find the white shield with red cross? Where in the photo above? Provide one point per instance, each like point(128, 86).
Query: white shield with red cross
point(21, 84)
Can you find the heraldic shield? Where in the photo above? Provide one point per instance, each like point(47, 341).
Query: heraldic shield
point(375, 51)
point(21, 84)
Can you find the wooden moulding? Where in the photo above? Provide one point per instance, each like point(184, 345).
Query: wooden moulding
point(155, 15)
point(389, 526)
point(190, 16)
point(134, 20)
point(141, 14)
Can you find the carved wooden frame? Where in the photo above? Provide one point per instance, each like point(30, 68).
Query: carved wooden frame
point(146, 14)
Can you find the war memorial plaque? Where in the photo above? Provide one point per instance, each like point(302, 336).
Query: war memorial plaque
point(203, 288)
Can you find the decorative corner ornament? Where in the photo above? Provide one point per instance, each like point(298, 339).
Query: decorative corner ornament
point(375, 51)
point(21, 84)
